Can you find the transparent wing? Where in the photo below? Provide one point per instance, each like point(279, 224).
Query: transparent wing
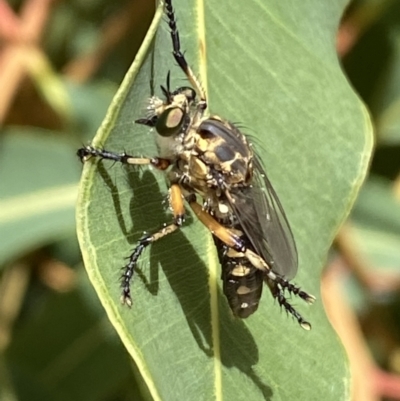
point(262, 218)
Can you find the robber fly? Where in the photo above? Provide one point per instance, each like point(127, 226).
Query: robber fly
point(209, 158)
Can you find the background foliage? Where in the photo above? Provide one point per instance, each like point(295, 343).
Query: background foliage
point(62, 64)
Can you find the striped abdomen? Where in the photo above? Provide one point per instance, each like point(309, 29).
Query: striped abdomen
point(242, 282)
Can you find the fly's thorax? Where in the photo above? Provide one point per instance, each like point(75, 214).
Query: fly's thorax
point(223, 213)
point(225, 149)
point(218, 207)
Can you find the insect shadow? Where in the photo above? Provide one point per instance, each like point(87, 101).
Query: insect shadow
point(186, 274)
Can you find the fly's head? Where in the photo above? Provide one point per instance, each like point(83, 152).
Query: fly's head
point(171, 118)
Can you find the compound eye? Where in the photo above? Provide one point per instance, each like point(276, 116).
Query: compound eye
point(170, 121)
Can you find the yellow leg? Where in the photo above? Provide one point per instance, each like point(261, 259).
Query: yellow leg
point(176, 202)
point(230, 238)
point(178, 210)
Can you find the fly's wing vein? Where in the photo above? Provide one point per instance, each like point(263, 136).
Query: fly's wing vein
point(262, 218)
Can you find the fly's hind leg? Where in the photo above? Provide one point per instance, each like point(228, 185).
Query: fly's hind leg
point(294, 289)
point(276, 283)
point(176, 203)
point(278, 294)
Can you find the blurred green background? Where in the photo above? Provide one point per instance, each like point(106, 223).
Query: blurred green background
point(62, 62)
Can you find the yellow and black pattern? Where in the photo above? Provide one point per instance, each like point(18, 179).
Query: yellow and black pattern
point(210, 158)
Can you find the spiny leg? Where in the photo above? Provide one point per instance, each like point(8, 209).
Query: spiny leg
point(278, 295)
point(89, 151)
point(294, 289)
point(176, 202)
point(180, 57)
point(234, 241)
point(229, 237)
point(226, 235)
point(129, 269)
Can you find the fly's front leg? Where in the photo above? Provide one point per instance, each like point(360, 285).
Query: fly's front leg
point(176, 203)
point(89, 151)
point(180, 57)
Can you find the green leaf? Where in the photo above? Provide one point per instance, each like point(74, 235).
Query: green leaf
point(38, 188)
point(272, 67)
